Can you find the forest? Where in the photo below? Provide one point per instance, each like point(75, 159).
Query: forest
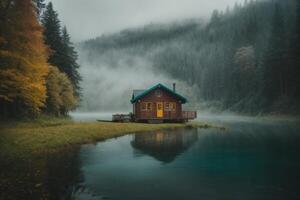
point(245, 59)
point(38, 62)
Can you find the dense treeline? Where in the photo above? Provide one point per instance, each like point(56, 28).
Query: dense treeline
point(244, 59)
point(32, 79)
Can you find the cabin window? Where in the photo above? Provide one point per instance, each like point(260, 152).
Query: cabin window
point(158, 93)
point(159, 106)
point(170, 106)
point(167, 106)
point(149, 106)
point(173, 106)
point(146, 106)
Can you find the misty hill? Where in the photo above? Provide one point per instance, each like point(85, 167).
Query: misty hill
point(241, 60)
point(149, 36)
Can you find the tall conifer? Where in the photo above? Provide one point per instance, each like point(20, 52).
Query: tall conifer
point(52, 35)
point(275, 84)
point(295, 56)
point(63, 54)
point(70, 61)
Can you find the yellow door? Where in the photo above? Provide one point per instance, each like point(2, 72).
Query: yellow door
point(159, 110)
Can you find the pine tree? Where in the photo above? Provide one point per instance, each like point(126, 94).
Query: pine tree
point(275, 76)
point(63, 53)
point(52, 36)
point(215, 18)
point(70, 62)
point(294, 73)
point(23, 61)
point(297, 65)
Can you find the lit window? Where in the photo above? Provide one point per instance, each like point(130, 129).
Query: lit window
point(159, 106)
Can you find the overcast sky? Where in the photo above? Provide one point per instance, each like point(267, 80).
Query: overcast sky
point(87, 19)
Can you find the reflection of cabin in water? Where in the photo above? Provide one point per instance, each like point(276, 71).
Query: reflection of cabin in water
point(165, 146)
point(159, 103)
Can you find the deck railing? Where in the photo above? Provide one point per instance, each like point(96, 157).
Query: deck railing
point(189, 115)
point(122, 118)
point(186, 115)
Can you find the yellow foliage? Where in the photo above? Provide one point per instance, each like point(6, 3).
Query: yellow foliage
point(67, 94)
point(60, 94)
point(23, 57)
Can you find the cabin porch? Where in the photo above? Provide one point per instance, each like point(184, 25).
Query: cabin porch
point(185, 117)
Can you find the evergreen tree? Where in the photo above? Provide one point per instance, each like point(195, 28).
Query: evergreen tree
point(297, 52)
point(70, 61)
point(215, 18)
point(275, 77)
point(52, 36)
point(294, 73)
point(63, 53)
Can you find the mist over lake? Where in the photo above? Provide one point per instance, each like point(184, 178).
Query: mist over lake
point(220, 64)
point(152, 99)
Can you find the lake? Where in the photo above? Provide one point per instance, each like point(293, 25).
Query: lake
point(250, 160)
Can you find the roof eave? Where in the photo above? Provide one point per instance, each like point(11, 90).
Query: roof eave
point(182, 99)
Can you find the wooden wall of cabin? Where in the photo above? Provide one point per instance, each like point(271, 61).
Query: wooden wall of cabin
point(154, 99)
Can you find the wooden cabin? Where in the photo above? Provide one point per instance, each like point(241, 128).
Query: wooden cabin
point(159, 104)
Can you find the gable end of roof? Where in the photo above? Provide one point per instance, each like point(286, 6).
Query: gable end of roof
point(138, 94)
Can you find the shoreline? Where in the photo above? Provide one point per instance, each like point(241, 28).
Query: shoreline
point(39, 137)
point(26, 148)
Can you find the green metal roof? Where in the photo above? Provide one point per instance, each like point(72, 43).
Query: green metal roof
point(144, 93)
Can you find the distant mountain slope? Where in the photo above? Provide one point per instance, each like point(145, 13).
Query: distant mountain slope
point(224, 61)
point(150, 35)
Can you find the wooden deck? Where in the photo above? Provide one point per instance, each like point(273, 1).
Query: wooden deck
point(122, 118)
point(186, 116)
point(189, 115)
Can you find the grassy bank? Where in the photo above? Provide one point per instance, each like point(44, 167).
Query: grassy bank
point(50, 135)
point(28, 148)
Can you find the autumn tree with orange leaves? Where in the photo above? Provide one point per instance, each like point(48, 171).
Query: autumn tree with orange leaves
point(23, 59)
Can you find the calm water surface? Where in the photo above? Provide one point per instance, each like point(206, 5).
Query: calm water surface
point(253, 159)
point(250, 160)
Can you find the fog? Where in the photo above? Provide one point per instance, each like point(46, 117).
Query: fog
point(137, 44)
point(108, 82)
point(87, 19)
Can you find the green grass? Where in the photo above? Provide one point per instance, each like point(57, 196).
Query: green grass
point(50, 135)
point(26, 146)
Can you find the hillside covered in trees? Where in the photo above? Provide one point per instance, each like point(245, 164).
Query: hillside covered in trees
point(245, 59)
point(38, 63)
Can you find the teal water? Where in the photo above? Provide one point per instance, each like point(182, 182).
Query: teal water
point(248, 161)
